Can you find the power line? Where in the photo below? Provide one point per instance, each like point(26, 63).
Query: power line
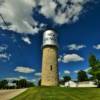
point(4, 21)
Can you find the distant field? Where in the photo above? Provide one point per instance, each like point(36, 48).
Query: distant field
point(58, 93)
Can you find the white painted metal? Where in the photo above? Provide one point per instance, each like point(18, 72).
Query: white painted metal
point(50, 38)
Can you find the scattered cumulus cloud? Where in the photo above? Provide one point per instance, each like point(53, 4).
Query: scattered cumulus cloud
point(72, 58)
point(15, 78)
point(38, 74)
point(24, 69)
point(10, 79)
point(26, 40)
point(3, 47)
point(76, 71)
point(62, 11)
point(22, 77)
point(4, 55)
point(87, 69)
point(97, 46)
point(67, 72)
point(60, 58)
point(18, 13)
point(33, 80)
point(75, 47)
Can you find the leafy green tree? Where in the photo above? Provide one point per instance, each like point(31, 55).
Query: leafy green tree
point(30, 84)
point(3, 84)
point(67, 78)
point(22, 83)
point(95, 68)
point(98, 78)
point(91, 78)
point(61, 81)
point(92, 60)
point(82, 76)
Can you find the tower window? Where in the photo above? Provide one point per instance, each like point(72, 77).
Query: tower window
point(51, 67)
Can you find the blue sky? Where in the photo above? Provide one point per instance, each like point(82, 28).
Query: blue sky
point(20, 50)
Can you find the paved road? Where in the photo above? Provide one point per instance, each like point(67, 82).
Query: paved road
point(8, 94)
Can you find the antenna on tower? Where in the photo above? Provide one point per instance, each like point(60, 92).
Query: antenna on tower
point(4, 21)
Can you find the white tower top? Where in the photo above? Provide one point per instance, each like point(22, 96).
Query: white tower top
point(50, 38)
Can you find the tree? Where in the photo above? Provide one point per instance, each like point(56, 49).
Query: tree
point(95, 68)
point(98, 78)
point(3, 84)
point(67, 78)
point(82, 76)
point(39, 82)
point(92, 60)
point(22, 83)
point(30, 84)
point(61, 81)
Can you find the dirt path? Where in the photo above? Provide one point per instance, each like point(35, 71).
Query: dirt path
point(8, 94)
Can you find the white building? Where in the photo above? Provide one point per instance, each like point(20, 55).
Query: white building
point(87, 84)
point(80, 84)
point(11, 84)
point(70, 84)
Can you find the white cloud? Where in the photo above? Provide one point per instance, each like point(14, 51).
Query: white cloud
point(37, 74)
point(67, 72)
point(69, 10)
point(72, 58)
point(75, 47)
point(97, 46)
point(3, 47)
point(18, 13)
point(15, 78)
point(12, 78)
point(26, 40)
point(60, 58)
point(35, 80)
point(22, 77)
point(5, 56)
point(87, 69)
point(76, 71)
point(24, 69)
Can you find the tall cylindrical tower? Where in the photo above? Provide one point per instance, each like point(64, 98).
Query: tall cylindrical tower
point(50, 59)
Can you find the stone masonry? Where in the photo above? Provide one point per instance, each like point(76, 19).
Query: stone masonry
point(49, 66)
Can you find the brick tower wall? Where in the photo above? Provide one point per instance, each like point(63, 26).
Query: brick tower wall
point(49, 66)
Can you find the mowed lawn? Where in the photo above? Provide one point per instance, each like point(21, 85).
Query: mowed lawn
point(58, 93)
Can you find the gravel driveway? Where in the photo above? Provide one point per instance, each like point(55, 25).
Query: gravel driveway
point(8, 94)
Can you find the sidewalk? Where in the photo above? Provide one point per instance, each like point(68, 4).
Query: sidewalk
point(8, 94)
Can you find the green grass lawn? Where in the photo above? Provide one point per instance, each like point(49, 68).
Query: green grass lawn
point(58, 93)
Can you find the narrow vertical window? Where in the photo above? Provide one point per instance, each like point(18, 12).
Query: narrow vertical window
point(51, 67)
